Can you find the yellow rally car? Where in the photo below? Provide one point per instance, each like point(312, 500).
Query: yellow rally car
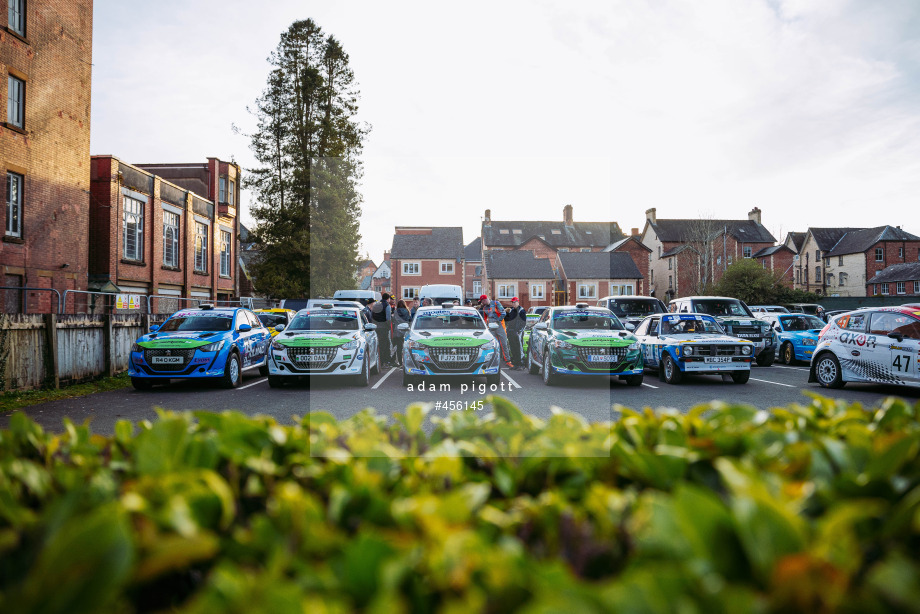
point(270, 318)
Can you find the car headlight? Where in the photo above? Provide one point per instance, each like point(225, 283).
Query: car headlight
point(212, 347)
point(811, 342)
point(277, 345)
point(746, 350)
point(688, 350)
point(491, 345)
point(413, 345)
point(633, 346)
point(136, 348)
point(563, 345)
point(351, 345)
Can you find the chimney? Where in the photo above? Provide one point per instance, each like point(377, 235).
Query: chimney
point(567, 215)
point(635, 232)
point(386, 254)
point(650, 215)
point(754, 215)
point(488, 220)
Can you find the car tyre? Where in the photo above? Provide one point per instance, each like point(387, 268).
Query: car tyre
point(375, 370)
point(549, 378)
point(765, 359)
point(741, 377)
point(827, 371)
point(634, 380)
point(364, 378)
point(275, 381)
point(263, 370)
point(671, 371)
point(787, 353)
point(532, 367)
point(142, 383)
point(233, 374)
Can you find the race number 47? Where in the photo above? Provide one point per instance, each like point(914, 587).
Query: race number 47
point(901, 362)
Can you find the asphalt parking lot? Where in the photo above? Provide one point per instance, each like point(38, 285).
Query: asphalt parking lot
point(593, 398)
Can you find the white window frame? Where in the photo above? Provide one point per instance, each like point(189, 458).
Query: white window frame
point(627, 290)
point(171, 242)
point(746, 251)
point(201, 248)
point(879, 254)
point(17, 16)
point(412, 263)
point(874, 289)
point(901, 287)
point(506, 291)
point(222, 189)
point(231, 192)
point(537, 292)
point(477, 288)
point(585, 249)
point(885, 289)
point(917, 287)
point(580, 291)
point(901, 253)
point(133, 229)
point(842, 279)
point(409, 292)
point(14, 204)
point(226, 238)
point(446, 263)
point(16, 101)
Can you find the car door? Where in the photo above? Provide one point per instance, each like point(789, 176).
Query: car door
point(651, 344)
point(370, 339)
point(255, 340)
point(899, 353)
point(538, 337)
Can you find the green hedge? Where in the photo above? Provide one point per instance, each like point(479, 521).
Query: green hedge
point(808, 508)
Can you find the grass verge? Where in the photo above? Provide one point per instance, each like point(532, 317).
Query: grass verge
point(11, 401)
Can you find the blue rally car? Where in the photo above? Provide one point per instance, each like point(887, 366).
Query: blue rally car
point(202, 342)
point(798, 335)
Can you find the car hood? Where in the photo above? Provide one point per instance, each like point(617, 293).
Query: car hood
point(179, 340)
point(740, 321)
point(315, 338)
point(451, 339)
point(596, 338)
point(814, 333)
point(702, 339)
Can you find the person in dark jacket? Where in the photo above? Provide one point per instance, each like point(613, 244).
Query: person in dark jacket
point(515, 319)
point(383, 317)
point(492, 311)
point(403, 316)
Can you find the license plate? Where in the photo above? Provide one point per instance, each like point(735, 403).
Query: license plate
point(452, 358)
point(167, 360)
point(599, 358)
point(747, 336)
point(718, 359)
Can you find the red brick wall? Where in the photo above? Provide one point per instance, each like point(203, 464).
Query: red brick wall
point(52, 153)
point(470, 276)
point(430, 274)
point(891, 256)
point(640, 256)
point(539, 249)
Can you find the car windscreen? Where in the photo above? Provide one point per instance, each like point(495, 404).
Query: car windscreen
point(689, 326)
point(325, 320)
point(715, 307)
point(634, 307)
point(198, 323)
point(272, 319)
point(448, 320)
point(801, 322)
point(585, 320)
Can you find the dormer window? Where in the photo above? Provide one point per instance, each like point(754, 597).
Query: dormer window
point(556, 232)
point(516, 231)
point(503, 232)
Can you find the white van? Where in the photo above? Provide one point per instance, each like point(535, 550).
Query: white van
point(362, 296)
point(441, 293)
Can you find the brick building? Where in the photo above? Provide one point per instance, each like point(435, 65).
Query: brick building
point(422, 256)
point(590, 276)
point(519, 273)
point(781, 260)
point(153, 236)
point(473, 279)
point(860, 255)
point(381, 279)
point(46, 58)
point(896, 280)
point(640, 254)
point(809, 269)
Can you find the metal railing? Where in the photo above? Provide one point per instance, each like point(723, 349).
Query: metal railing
point(24, 301)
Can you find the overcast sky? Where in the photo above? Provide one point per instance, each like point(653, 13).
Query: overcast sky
point(808, 109)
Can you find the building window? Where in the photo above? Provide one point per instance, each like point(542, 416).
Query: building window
point(133, 226)
point(477, 288)
point(670, 264)
point(839, 260)
point(536, 291)
point(16, 102)
point(917, 287)
point(901, 288)
point(729, 259)
point(587, 291)
point(231, 195)
point(17, 16)
point(516, 231)
point(879, 254)
point(503, 231)
point(884, 288)
point(222, 189)
point(719, 260)
point(563, 249)
point(225, 253)
point(901, 253)
point(618, 290)
point(843, 279)
point(817, 255)
point(412, 268)
point(830, 279)
point(506, 290)
point(170, 239)
point(201, 247)
point(764, 263)
point(746, 251)
point(817, 274)
point(586, 249)
point(409, 292)
point(670, 282)
point(875, 290)
point(14, 205)
point(447, 268)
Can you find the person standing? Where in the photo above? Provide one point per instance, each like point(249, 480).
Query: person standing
point(515, 319)
point(382, 317)
point(403, 316)
point(415, 306)
point(492, 311)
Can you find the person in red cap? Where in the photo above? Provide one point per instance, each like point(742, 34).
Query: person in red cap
point(515, 319)
point(492, 311)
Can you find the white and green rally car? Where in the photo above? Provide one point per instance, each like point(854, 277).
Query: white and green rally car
point(325, 340)
point(450, 340)
point(583, 340)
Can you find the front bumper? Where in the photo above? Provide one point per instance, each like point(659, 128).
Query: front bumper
point(568, 362)
point(342, 362)
point(197, 364)
point(418, 361)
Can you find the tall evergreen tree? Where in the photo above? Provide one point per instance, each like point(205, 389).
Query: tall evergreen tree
point(308, 145)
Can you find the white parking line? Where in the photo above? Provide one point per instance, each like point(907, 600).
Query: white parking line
point(377, 385)
point(261, 381)
point(508, 377)
point(794, 368)
point(650, 386)
point(769, 382)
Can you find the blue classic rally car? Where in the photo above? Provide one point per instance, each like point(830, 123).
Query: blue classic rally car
point(676, 344)
point(201, 342)
point(450, 340)
point(586, 341)
point(798, 335)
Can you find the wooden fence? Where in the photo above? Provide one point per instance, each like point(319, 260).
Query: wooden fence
point(50, 350)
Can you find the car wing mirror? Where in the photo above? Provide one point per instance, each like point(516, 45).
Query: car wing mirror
point(279, 328)
point(371, 326)
point(154, 328)
point(244, 328)
point(403, 326)
point(897, 336)
point(540, 326)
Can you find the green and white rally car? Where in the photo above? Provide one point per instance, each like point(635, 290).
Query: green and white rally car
point(325, 340)
point(450, 340)
point(583, 340)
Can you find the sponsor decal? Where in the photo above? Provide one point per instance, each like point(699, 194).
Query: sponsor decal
point(201, 360)
point(453, 341)
point(859, 339)
point(316, 341)
point(209, 314)
point(601, 341)
point(174, 343)
point(449, 312)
